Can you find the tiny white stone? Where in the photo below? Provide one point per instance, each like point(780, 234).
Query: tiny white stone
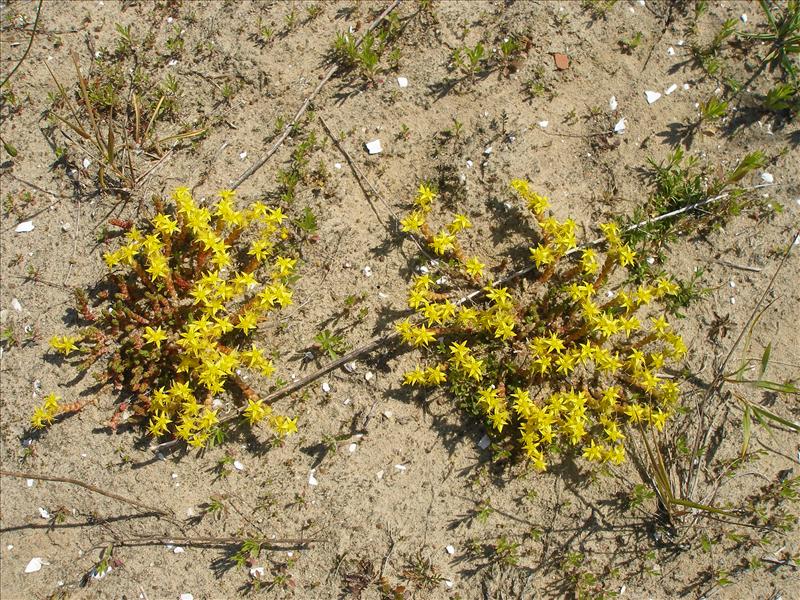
point(681, 42)
point(382, 296)
point(257, 572)
point(612, 103)
point(484, 442)
point(326, 387)
point(448, 583)
point(400, 467)
point(450, 549)
point(379, 474)
point(350, 367)
point(347, 401)
point(767, 177)
point(169, 19)
point(733, 300)
point(10, 547)
point(620, 126)
point(86, 163)
point(311, 479)
point(174, 476)
point(178, 550)
point(24, 227)
point(374, 147)
point(369, 375)
point(172, 63)
point(242, 155)
point(543, 124)
point(671, 51)
point(402, 82)
point(66, 227)
point(388, 414)
point(43, 513)
point(29, 482)
point(337, 165)
point(34, 565)
point(469, 164)
point(671, 89)
point(641, 2)
point(488, 150)
point(686, 86)
point(186, 596)
point(652, 96)
point(238, 465)
point(650, 260)
point(16, 305)
point(743, 18)
point(352, 447)
point(368, 271)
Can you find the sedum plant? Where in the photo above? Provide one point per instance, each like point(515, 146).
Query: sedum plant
point(566, 362)
point(185, 294)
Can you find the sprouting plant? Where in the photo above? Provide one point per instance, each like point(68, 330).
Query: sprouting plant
point(554, 365)
point(469, 60)
point(783, 37)
point(709, 56)
point(630, 44)
point(186, 293)
point(712, 110)
point(248, 552)
point(330, 343)
point(264, 33)
point(313, 11)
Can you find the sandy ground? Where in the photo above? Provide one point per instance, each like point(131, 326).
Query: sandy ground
point(406, 503)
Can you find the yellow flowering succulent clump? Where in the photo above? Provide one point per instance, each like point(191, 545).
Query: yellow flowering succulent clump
point(190, 289)
point(565, 362)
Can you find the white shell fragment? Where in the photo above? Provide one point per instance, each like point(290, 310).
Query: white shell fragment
point(326, 387)
point(612, 103)
point(34, 565)
point(671, 89)
point(400, 467)
point(242, 155)
point(24, 227)
point(450, 549)
point(350, 367)
point(543, 124)
point(186, 596)
point(369, 375)
point(484, 442)
point(238, 465)
point(352, 447)
point(620, 126)
point(367, 271)
point(44, 513)
point(767, 177)
point(86, 163)
point(374, 147)
point(311, 479)
point(16, 305)
point(257, 572)
point(402, 82)
point(671, 51)
point(743, 18)
point(178, 550)
point(652, 96)
point(488, 150)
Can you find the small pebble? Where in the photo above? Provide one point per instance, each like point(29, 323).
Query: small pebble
point(743, 18)
point(10, 547)
point(732, 283)
point(488, 150)
point(337, 165)
point(178, 550)
point(186, 597)
point(469, 164)
point(24, 227)
point(671, 51)
point(620, 126)
point(400, 467)
point(388, 414)
point(326, 387)
point(543, 124)
point(650, 260)
point(29, 482)
point(767, 177)
point(16, 305)
point(34, 565)
point(379, 474)
point(368, 271)
point(86, 163)
point(450, 549)
point(350, 367)
point(312, 481)
point(685, 86)
point(369, 375)
point(65, 227)
point(44, 513)
point(242, 155)
point(402, 82)
point(238, 465)
point(352, 447)
point(257, 572)
point(612, 103)
point(652, 96)
point(484, 442)
point(733, 300)
point(448, 583)
point(374, 147)
point(671, 89)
